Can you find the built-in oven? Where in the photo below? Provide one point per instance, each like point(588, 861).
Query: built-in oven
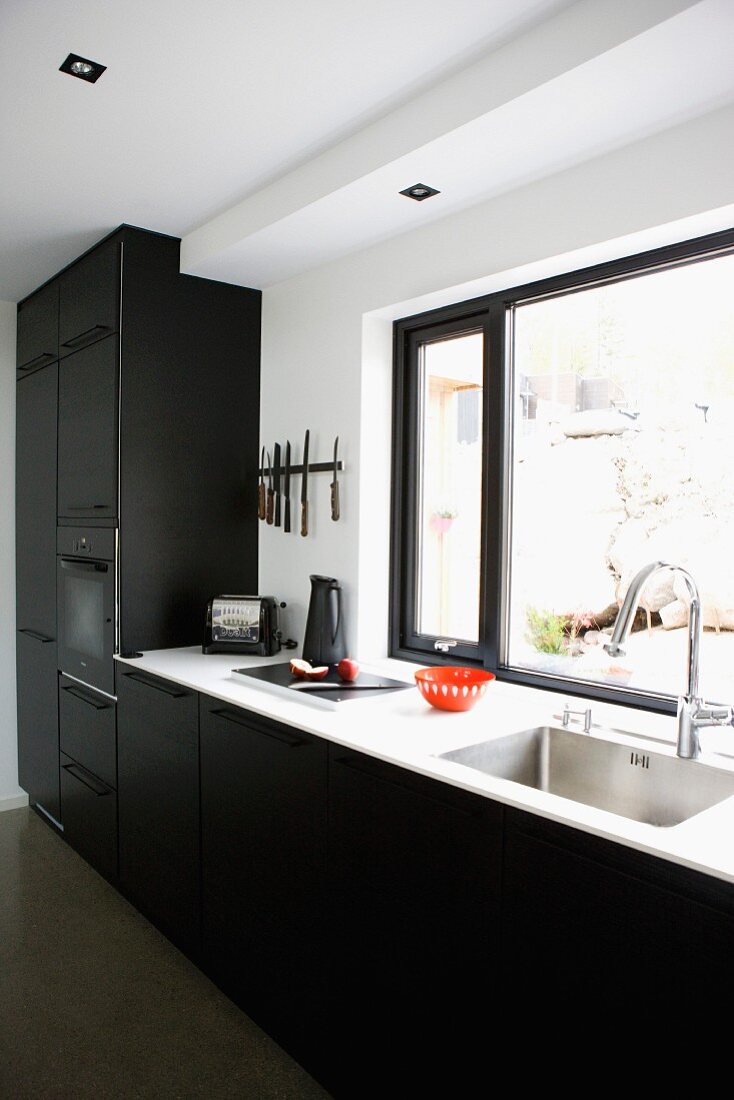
point(87, 604)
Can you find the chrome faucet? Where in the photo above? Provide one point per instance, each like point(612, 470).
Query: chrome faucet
point(693, 713)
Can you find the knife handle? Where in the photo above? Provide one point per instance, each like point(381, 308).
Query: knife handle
point(271, 506)
point(277, 509)
point(261, 501)
point(287, 515)
point(304, 518)
point(334, 500)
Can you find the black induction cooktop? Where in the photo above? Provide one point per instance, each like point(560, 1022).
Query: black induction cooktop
point(332, 690)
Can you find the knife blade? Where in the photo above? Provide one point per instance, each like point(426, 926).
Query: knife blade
point(276, 461)
point(261, 488)
point(304, 487)
point(287, 489)
point(271, 494)
point(335, 484)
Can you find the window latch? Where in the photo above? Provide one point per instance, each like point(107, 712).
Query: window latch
point(443, 645)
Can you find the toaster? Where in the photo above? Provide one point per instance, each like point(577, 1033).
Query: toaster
point(242, 624)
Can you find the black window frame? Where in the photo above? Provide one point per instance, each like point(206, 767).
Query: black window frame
point(493, 314)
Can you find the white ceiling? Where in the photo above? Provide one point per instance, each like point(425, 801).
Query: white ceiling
point(674, 71)
point(591, 79)
point(202, 103)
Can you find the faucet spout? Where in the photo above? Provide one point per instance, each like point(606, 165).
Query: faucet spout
point(692, 712)
point(631, 602)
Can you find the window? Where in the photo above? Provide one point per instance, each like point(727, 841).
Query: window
point(549, 442)
point(443, 476)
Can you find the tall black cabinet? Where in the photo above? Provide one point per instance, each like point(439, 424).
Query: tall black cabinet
point(138, 410)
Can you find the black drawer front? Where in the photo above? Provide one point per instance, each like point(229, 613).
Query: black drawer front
point(89, 815)
point(87, 729)
point(159, 701)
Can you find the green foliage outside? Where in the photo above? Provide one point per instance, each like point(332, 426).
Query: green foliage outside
point(546, 631)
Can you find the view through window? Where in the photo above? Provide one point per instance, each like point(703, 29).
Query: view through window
point(622, 454)
point(450, 487)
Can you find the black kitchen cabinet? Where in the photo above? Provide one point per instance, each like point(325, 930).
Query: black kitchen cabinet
point(38, 329)
point(263, 826)
point(89, 809)
point(88, 388)
point(158, 802)
point(415, 896)
point(89, 298)
point(87, 729)
point(189, 425)
point(159, 387)
point(35, 527)
point(601, 926)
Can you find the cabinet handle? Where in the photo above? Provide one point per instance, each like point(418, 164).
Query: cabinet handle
point(35, 635)
point(285, 738)
point(86, 699)
point(87, 779)
point(86, 335)
point(363, 767)
point(173, 692)
point(40, 360)
point(86, 507)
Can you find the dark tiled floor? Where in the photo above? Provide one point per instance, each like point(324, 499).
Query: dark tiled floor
point(94, 1002)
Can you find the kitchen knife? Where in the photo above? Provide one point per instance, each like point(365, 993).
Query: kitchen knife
point(316, 686)
point(287, 489)
point(304, 487)
point(276, 461)
point(335, 484)
point(271, 494)
point(261, 488)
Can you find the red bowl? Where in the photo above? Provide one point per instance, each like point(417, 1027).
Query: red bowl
point(452, 687)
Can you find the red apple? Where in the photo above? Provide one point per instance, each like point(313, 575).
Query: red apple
point(347, 669)
point(300, 669)
point(319, 673)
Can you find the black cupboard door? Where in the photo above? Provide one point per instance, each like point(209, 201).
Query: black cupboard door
point(38, 720)
point(416, 868)
point(263, 822)
point(595, 924)
point(89, 300)
point(38, 329)
point(88, 426)
point(158, 802)
point(35, 501)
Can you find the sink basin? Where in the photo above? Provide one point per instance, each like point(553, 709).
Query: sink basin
point(644, 786)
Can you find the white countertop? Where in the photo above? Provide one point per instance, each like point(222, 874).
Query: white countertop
point(401, 728)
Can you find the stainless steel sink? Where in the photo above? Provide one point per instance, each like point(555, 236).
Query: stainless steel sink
point(642, 785)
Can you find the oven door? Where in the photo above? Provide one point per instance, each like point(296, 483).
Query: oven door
point(86, 621)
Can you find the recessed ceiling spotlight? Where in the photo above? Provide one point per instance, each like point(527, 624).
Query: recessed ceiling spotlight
point(82, 67)
point(420, 191)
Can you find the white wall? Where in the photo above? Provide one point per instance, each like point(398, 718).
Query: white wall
point(10, 793)
point(327, 334)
